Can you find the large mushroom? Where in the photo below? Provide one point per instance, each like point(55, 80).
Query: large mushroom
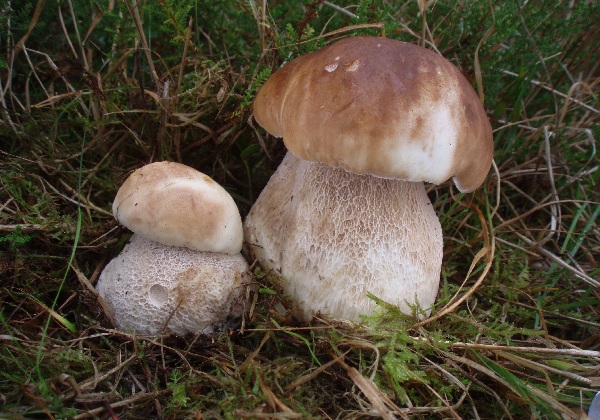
point(182, 271)
point(366, 120)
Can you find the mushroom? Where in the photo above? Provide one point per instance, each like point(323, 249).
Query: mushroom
point(366, 121)
point(182, 271)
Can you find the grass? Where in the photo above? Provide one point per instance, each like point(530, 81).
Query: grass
point(91, 91)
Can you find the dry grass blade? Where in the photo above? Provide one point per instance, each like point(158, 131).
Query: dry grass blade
point(488, 252)
point(39, 8)
point(363, 344)
point(250, 359)
point(93, 413)
point(339, 31)
point(583, 276)
point(538, 350)
point(540, 367)
point(558, 93)
point(133, 8)
point(274, 402)
point(477, 65)
point(312, 375)
point(380, 400)
point(91, 383)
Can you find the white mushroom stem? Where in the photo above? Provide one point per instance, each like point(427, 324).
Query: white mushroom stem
point(332, 237)
point(152, 288)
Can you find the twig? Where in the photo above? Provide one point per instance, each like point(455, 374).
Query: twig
point(22, 228)
point(260, 19)
point(539, 206)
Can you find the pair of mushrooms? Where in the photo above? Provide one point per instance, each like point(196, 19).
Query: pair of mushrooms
point(366, 121)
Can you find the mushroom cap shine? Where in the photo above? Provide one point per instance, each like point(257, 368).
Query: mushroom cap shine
point(151, 288)
point(381, 107)
point(176, 205)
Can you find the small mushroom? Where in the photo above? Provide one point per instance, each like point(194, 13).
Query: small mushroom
point(366, 120)
point(182, 271)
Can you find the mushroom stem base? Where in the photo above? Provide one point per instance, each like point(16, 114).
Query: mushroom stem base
point(151, 289)
point(331, 237)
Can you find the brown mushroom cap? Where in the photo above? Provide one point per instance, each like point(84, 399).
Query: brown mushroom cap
point(176, 205)
point(381, 107)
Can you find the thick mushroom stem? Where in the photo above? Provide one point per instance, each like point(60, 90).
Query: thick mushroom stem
point(152, 288)
point(331, 237)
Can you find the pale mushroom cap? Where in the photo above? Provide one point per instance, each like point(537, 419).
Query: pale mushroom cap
point(151, 288)
point(381, 107)
point(177, 205)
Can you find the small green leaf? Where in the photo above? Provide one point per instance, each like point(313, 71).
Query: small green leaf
point(266, 291)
